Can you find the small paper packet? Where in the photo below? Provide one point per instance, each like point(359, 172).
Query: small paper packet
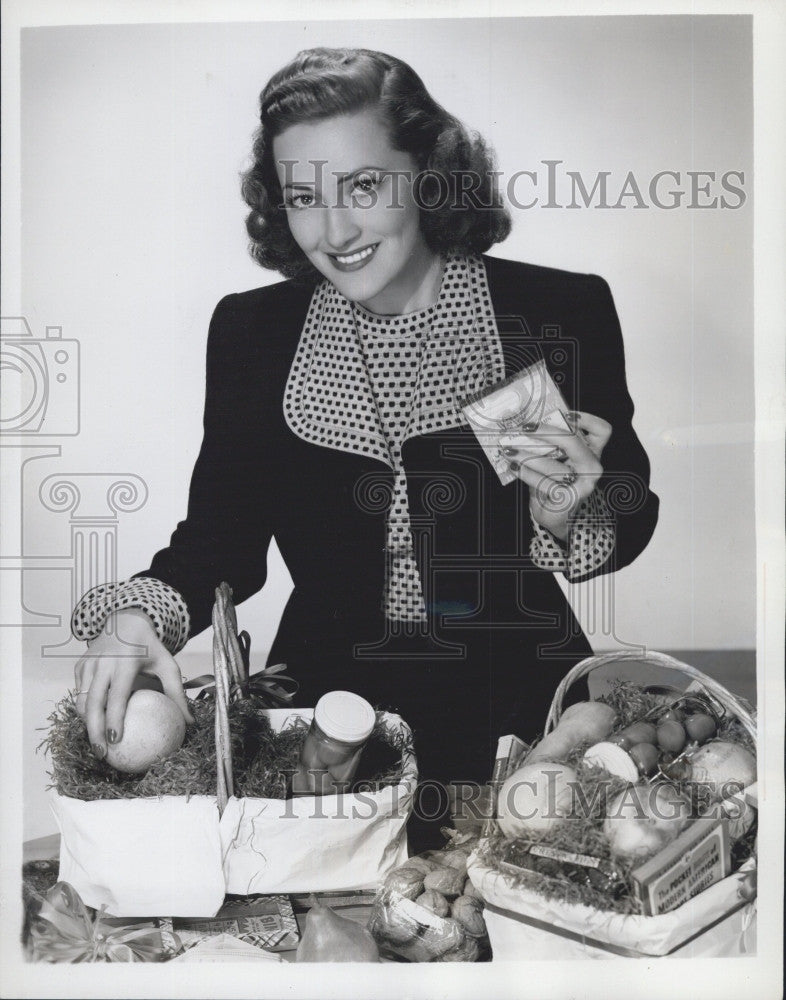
point(266, 922)
point(226, 948)
point(525, 400)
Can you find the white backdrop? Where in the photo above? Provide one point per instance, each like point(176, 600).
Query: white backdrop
point(133, 138)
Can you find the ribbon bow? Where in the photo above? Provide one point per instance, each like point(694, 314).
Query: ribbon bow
point(64, 931)
point(269, 685)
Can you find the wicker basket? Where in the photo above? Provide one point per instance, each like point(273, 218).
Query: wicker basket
point(731, 703)
point(718, 921)
point(179, 855)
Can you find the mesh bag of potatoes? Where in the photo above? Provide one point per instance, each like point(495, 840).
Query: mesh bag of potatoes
point(427, 910)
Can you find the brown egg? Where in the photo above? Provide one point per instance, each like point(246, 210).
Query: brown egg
point(671, 736)
point(645, 757)
point(640, 732)
point(700, 727)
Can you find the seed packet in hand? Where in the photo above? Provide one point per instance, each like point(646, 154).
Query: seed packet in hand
point(519, 404)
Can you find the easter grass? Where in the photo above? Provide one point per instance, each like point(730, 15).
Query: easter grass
point(606, 888)
point(262, 759)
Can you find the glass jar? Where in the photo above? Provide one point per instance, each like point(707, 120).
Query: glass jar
point(329, 759)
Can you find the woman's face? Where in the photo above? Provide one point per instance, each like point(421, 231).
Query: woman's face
point(350, 206)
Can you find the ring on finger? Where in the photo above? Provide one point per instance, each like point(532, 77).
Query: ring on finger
point(569, 478)
point(558, 454)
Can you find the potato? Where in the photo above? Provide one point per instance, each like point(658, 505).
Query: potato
point(395, 928)
point(421, 864)
point(467, 911)
point(446, 937)
point(467, 951)
point(434, 901)
point(448, 881)
point(456, 859)
point(407, 881)
point(470, 890)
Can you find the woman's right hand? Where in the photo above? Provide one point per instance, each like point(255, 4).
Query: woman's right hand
point(109, 672)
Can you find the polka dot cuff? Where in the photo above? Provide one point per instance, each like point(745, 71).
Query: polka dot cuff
point(161, 603)
point(591, 541)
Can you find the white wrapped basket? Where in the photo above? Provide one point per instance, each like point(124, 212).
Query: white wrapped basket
point(524, 924)
point(177, 856)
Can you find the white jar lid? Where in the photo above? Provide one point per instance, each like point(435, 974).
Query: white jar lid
point(614, 759)
point(344, 716)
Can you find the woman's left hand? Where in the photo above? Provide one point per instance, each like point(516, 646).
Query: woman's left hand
point(561, 468)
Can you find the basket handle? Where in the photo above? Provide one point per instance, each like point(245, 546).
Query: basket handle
point(585, 667)
point(230, 671)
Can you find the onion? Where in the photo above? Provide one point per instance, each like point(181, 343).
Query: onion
point(535, 798)
point(721, 763)
point(644, 818)
point(726, 769)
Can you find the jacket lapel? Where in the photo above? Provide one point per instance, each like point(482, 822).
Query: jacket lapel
point(462, 355)
point(328, 399)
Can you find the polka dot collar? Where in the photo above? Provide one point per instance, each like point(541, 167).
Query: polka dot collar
point(329, 399)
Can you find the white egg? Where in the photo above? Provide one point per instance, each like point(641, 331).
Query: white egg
point(154, 728)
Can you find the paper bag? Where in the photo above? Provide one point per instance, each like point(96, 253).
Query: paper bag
point(314, 843)
point(142, 857)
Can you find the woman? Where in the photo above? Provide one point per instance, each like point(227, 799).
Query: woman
point(333, 422)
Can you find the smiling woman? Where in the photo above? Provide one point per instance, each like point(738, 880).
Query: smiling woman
point(334, 421)
point(340, 211)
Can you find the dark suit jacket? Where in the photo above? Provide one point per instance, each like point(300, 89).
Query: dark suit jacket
point(500, 633)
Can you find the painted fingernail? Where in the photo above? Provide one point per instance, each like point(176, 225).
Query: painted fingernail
point(111, 735)
point(509, 451)
point(514, 466)
point(531, 427)
point(98, 751)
